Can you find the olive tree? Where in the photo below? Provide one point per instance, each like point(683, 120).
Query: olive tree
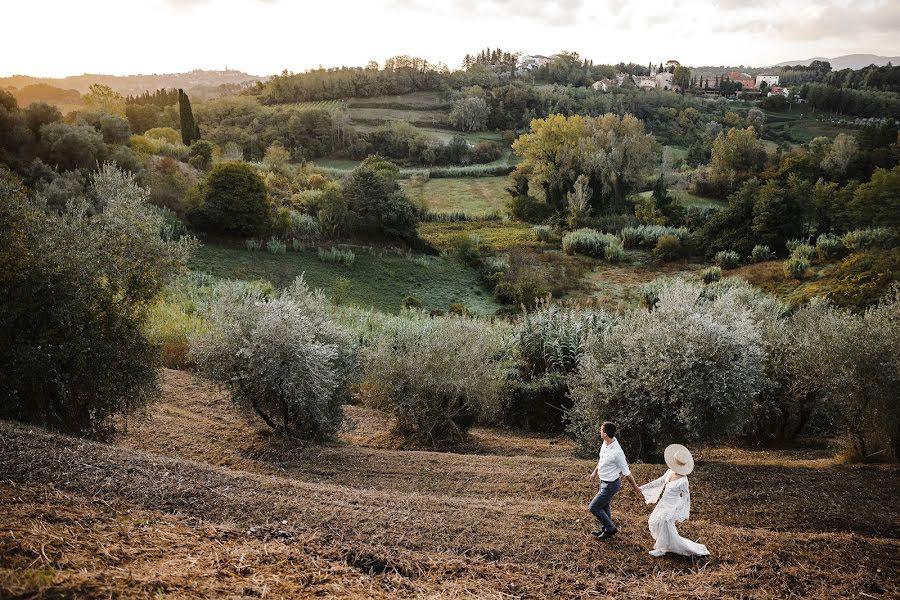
point(689, 370)
point(75, 291)
point(435, 375)
point(282, 357)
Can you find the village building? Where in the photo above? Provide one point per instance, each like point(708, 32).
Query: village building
point(770, 80)
point(604, 85)
point(747, 81)
point(665, 81)
point(645, 83)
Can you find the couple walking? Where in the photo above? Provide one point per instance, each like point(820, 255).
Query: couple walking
point(670, 493)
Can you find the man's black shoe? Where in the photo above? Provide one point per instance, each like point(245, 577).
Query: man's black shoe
point(607, 534)
point(597, 532)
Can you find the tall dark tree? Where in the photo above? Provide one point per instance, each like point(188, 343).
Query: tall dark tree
point(190, 131)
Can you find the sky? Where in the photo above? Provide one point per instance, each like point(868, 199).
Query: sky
point(263, 37)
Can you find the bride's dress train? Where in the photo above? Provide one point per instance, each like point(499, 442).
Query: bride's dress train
point(673, 503)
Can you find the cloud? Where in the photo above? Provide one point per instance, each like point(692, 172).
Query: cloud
point(844, 21)
point(548, 12)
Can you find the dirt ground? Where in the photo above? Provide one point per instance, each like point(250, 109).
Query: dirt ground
point(197, 500)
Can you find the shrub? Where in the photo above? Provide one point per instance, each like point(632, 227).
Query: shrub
point(341, 257)
point(253, 245)
point(587, 241)
point(791, 245)
point(434, 375)
point(829, 246)
point(543, 233)
point(166, 134)
point(761, 253)
point(486, 151)
point(524, 291)
point(668, 247)
point(465, 249)
point(690, 369)
point(615, 252)
point(298, 245)
point(233, 201)
point(411, 301)
point(200, 155)
point(804, 251)
point(75, 290)
point(537, 405)
point(303, 225)
point(529, 209)
point(877, 237)
point(795, 267)
point(459, 309)
point(711, 274)
point(281, 357)
point(727, 259)
point(647, 236)
point(276, 246)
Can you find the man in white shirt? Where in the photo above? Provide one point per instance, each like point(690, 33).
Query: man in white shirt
point(610, 465)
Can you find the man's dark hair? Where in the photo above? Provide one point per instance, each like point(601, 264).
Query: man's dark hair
point(608, 428)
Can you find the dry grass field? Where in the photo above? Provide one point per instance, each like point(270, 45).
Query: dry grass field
point(197, 500)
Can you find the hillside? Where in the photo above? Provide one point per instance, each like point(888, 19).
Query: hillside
point(197, 500)
point(137, 84)
point(847, 61)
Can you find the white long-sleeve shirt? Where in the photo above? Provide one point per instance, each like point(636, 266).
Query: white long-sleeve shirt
point(612, 462)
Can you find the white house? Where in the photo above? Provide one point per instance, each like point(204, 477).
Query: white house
point(604, 85)
point(532, 61)
point(769, 79)
point(645, 83)
point(665, 81)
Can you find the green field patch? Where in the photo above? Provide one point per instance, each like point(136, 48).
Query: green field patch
point(493, 236)
point(474, 196)
point(375, 116)
point(414, 101)
point(804, 124)
point(374, 280)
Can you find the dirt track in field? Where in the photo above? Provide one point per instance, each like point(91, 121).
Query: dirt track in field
point(198, 501)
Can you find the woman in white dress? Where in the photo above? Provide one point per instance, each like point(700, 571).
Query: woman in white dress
point(673, 503)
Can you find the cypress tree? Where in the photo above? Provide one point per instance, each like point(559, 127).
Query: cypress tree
point(189, 129)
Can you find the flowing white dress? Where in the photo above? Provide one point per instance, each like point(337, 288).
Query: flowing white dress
point(673, 503)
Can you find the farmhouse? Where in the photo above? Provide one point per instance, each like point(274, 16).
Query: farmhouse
point(746, 81)
point(533, 61)
point(645, 83)
point(665, 81)
point(604, 85)
point(771, 80)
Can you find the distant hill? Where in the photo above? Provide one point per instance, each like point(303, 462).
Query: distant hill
point(138, 84)
point(848, 61)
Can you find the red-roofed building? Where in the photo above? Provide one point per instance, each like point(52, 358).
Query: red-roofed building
point(747, 81)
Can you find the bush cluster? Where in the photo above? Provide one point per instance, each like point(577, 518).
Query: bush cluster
point(761, 253)
point(436, 376)
point(589, 242)
point(727, 259)
point(647, 236)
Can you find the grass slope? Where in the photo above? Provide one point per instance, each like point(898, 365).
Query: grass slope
point(474, 196)
point(375, 281)
point(200, 501)
point(804, 124)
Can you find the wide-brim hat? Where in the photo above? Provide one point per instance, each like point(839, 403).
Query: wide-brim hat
point(679, 459)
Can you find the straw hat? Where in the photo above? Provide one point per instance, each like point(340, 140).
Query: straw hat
point(679, 459)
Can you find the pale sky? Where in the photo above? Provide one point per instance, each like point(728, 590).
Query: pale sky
point(262, 37)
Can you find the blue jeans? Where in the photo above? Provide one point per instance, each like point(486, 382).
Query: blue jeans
point(602, 502)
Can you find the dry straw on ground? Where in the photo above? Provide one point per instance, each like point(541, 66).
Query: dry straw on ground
point(198, 501)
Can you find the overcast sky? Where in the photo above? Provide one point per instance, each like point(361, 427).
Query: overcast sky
point(261, 37)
